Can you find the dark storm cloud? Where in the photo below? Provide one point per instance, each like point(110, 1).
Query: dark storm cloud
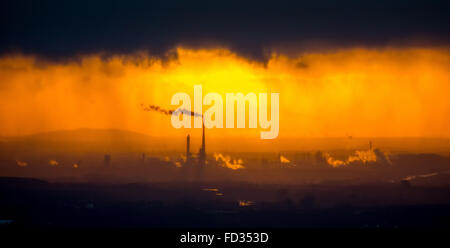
point(64, 29)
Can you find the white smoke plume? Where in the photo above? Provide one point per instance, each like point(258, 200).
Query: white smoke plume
point(53, 162)
point(245, 203)
point(409, 178)
point(362, 157)
point(177, 162)
point(211, 189)
point(227, 162)
point(76, 165)
point(21, 163)
point(284, 160)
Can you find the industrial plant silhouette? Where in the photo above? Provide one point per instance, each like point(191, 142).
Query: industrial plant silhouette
point(110, 178)
point(196, 162)
point(125, 182)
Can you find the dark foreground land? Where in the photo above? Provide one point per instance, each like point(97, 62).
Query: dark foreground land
point(36, 203)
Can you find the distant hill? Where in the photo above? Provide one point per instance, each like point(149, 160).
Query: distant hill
point(84, 140)
point(84, 135)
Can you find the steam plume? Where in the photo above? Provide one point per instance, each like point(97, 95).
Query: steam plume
point(363, 157)
point(244, 203)
point(53, 162)
point(21, 163)
point(284, 160)
point(227, 162)
point(409, 178)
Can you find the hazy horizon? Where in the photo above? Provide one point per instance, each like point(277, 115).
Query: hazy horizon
point(406, 144)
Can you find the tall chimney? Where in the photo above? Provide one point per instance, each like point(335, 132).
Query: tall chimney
point(203, 139)
point(202, 152)
point(188, 145)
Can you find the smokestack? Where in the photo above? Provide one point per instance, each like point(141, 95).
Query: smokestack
point(203, 139)
point(202, 152)
point(188, 145)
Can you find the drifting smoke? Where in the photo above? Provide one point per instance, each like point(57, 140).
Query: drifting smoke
point(53, 162)
point(245, 203)
point(333, 162)
point(211, 189)
point(227, 162)
point(177, 161)
point(214, 190)
point(284, 160)
point(76, 165)
point(364, 157)
point(170, 112)
point(21, 163)
point(409, 178)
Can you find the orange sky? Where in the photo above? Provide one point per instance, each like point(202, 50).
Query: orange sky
point(358, 92)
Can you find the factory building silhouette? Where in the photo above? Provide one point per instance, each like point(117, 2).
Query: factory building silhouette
point(190, 160)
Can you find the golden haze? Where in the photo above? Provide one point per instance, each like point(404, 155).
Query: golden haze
point(358, 92)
